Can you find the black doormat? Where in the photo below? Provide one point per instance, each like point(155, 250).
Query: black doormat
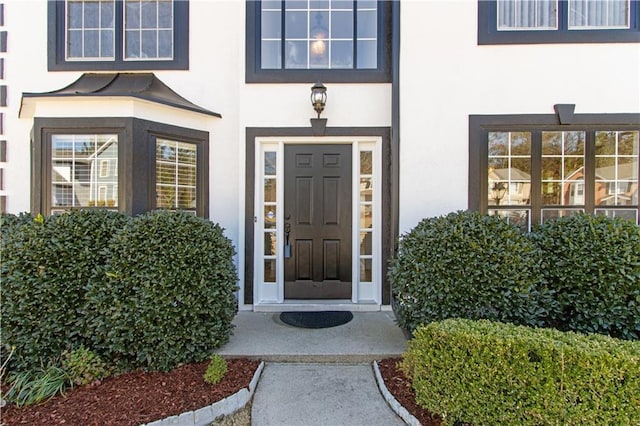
point(321, 319)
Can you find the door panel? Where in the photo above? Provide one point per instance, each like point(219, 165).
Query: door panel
point(317, 205)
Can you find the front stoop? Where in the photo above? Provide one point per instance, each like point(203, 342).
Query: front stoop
point(205, 416)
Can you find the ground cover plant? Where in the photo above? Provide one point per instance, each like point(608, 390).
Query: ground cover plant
point(486, 372)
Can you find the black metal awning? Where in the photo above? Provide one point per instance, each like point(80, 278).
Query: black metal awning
point(144, 86)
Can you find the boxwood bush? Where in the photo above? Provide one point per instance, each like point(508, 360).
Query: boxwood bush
point(467, 265)
point(488, 373)
point(169, 298)
point(593, 264)
point(46, 266)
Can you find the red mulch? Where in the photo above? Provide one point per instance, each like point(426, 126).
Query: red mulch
point(142, 397)
point(135, 398)
point(400, 387)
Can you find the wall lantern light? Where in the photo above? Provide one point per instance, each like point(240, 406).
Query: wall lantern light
point(318, 100)
point(318, 97)
point(498, 192)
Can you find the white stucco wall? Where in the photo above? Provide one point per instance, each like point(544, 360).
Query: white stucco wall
point(445, 77)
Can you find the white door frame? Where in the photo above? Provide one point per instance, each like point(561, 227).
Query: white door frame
point(268, 295)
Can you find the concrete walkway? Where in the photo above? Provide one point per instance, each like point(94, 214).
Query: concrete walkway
point(318, 376)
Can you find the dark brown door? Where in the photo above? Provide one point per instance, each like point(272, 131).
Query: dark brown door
point(317, 209)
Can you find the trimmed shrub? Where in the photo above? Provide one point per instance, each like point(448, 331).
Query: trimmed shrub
point(46, 265)
point(593, 264)
point(169, 297)
point(216, 369)
point(483, 372)
point(467, 265)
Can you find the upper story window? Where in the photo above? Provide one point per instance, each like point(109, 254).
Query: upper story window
point(558, 21)
point(118, 34)
point(307, 40)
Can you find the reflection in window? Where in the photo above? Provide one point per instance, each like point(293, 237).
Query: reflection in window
point(90, 29)
point(597, 14)
point(319, 34)
point(366, 215)
point(176, 175)
point(563, 168)
point(509, 172)
point(616, 168)
point(77, 165)
point(148, 29)
point(527, 14)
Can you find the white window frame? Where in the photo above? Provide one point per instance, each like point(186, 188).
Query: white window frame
point(365, 295)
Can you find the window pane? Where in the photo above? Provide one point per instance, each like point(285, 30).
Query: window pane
point(341, 54)
point(366, 162)
point(269, 190)
point(527, 14)
point(90, 27)
point(366, 189)
point(296, 54)
point(367, 23)
point(509, 168)
point(342, 24)
point(365, 244)
point(84, 170)
point(74, 14)
point(366, 270)
point(519, 218)
point(132, 15)
point(91, 14)
point(149, 43)
point(270, 270)
point(629, 214)
point(176, 175)
point(165, 14)
point(319, 34)
point(149, 14)
point(271, 24)
point(550, 214)
point(598, 14)
point(270, 243)
point(271, 58)
point(270, 163)
point(563, 168)
point(270, 217)
point(367, 54)
point(616, 168)
point(366, 212)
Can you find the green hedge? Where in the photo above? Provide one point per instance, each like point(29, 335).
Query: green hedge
point(46, 265)
point(469, 265)
point(489, 373)
point(169, 298)
point(593, 264)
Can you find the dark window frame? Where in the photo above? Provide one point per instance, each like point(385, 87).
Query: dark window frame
point(481, 125)
point(488, 33)
point(136, 159)
point(57, 60)
point(389, 201)
point(255, 74)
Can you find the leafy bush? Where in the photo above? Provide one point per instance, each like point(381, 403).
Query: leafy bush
point(83, 366)
point(35, 385)
point(169, 298)
point(467, 265)
point(501, 374)
point(46, 265)
point(593, 264)
point(216, 369)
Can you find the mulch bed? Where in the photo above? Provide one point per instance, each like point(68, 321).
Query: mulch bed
point(400, 387)
point(141, 397)
point(135, 398)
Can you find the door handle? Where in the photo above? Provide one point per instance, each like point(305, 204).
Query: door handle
point(287, 244)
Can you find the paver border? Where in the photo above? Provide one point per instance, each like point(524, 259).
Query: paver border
point(206, 415)
point(402, 412)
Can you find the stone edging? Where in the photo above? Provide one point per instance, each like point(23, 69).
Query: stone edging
point(392, 401)
point(224, 407)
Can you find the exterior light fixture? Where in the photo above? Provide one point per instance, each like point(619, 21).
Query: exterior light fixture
point(498, 192)
point(318, 97)
point(318, 100)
